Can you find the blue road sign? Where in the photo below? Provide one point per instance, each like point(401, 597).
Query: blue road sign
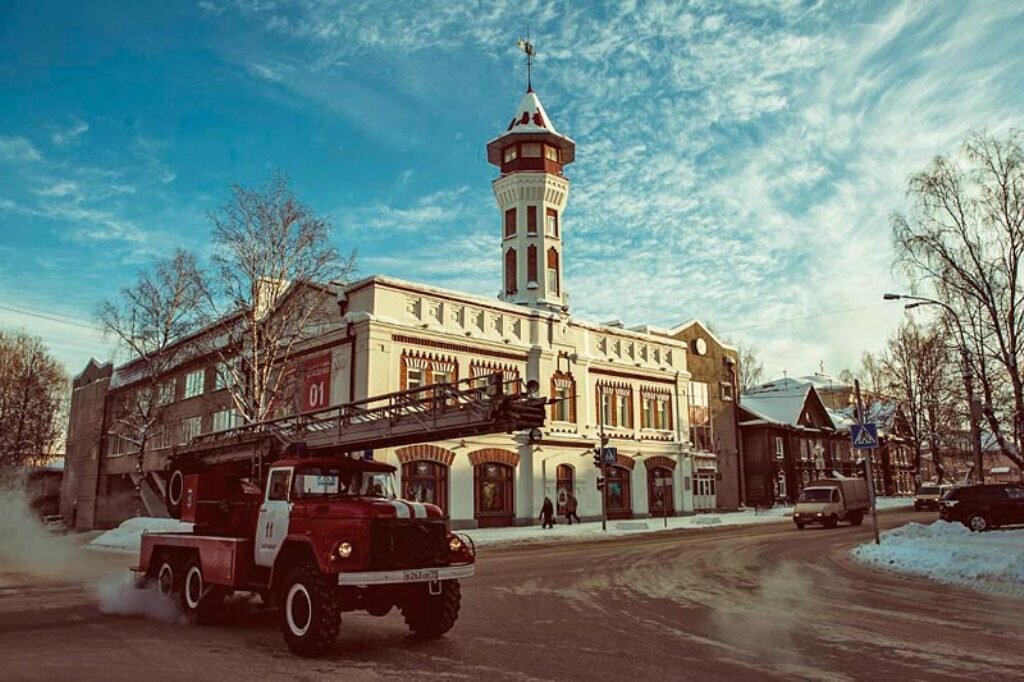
point(610, 455)
point(864, 436)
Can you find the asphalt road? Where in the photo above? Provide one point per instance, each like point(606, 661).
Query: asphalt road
point(759, 602)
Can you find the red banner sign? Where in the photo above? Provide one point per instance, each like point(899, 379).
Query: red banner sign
point(317, 383)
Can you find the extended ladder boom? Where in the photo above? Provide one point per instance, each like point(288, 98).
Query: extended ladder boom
point(469, 407)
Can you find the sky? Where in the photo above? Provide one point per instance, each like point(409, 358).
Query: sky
point(736, 162)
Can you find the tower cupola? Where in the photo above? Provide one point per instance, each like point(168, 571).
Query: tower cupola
point(532, 192)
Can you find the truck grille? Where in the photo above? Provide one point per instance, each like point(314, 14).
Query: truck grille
point(409, 543)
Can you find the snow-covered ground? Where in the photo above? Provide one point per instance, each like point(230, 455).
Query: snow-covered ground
point(950, 553)
point(494, 537)
point(128, 536)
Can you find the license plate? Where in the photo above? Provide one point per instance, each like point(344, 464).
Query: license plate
point(421, 575)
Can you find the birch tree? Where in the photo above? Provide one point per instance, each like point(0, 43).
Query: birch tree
point(151, 321)
point(273, 285)
point(962, 241)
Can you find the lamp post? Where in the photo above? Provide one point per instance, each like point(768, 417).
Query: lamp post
point(973, 407)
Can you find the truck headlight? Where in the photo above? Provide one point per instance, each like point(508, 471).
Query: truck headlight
point(344, 550)
point(454, 544)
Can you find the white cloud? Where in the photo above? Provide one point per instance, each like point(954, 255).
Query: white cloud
point(70, 134)
point(18, 149)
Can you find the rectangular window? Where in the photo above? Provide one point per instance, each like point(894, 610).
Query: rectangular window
point(226, 419)
point(510, 153)
point(727, 393)
point(552, 280)
point(647, 419)
point(551, 223)
point(531, 149)
point(441, 377)
point(194, 383)
point(413, 378)
point(165, 392)
point(531, 220)
point(551, 153)
point(780, 451)
point(223, 375)
point(161, 438)
point(664, 422)
point(510, 222)
point(561, 407)
point(700, 416)
point(189, 428)
point(606, 408)
point(625, 419)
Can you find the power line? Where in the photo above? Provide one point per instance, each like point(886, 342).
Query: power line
point(52, 317)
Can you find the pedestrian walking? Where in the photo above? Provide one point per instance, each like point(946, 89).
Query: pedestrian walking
point(547, 513)
point(570, 509)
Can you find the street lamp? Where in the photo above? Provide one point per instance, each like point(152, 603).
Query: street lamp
point(973, 407)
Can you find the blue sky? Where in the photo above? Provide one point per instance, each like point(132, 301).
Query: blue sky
point(736, 162)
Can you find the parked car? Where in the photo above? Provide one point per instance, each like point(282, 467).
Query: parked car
point(929, 494)
point(983, 507)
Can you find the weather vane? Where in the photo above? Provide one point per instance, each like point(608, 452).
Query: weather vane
point(527, 47)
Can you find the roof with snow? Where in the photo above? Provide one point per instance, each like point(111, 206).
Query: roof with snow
point(531, 122)
point(777, 402)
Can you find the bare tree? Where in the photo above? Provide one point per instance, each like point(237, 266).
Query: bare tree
point(963, 241)
point(915, 370)
point(751, 367)
point(273, 286)
point(151, 321)
point(34, 392)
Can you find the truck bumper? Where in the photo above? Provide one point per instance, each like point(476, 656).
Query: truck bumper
point(413, 575)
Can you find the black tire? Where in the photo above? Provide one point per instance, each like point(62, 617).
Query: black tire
point(831, 522)
point(978, 523)
point(167, 578)
point(430, 616)
point(856, 519)
point(175, 493)
point(310, 611)
point(199, 602)
point(799, 525)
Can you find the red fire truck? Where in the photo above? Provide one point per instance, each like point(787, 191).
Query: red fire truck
point(317, 528)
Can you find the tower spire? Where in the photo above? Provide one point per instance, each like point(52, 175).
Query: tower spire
point(527, 47)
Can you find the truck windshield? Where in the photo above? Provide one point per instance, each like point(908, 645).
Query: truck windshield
point(329, 481)
point(816, 495)
point(928, 490)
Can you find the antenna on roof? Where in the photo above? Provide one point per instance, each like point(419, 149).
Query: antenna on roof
point(527, 47)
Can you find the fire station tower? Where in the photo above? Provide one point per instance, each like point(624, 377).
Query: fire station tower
point(531, 193)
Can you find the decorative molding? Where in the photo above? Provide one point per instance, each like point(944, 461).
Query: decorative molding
point(457, 348)
point(433, 453)
point(496, 455)
point(627, 375)
point(659, 461)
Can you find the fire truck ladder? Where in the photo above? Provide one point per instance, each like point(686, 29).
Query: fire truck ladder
point(469, 407)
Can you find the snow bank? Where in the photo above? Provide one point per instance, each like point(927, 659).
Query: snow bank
point(128, 536)
point(950, 553)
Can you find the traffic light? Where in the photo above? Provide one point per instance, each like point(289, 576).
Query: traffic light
point(597, 457)
point(861, 467)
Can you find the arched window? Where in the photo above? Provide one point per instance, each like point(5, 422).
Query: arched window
point(425, 481)
point(620, 495)
point(494, 494)
point(531, 264)
point(660, 498)
point(553, 271)
point(511, 285)
point(564, 480)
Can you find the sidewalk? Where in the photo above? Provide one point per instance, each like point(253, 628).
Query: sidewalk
point(591, 531)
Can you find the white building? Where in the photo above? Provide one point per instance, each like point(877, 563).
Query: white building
point(400, 334)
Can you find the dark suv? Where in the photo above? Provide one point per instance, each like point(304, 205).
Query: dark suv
point(982, 507)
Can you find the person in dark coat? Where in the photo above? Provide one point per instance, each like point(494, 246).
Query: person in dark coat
point(547, 513)
point(570, 509)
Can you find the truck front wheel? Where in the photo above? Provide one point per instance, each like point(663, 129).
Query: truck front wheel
point(431, 615)
point(856, 519)
point(310, 611)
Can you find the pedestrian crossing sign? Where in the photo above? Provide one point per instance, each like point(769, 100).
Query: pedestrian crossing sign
point(864, 436)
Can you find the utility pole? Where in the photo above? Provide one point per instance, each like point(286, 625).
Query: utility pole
point(604, 466)
point(868, 464)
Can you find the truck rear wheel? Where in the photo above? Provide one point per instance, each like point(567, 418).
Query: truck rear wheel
point(310, 611)
point(168, 580)
point(432, 615)
point(857, 518)
point(199, 600)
